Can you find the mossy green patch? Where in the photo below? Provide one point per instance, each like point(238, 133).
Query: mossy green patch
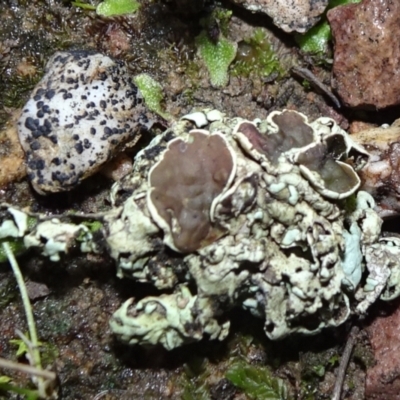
point(223, 17)
point(255, 55)
point(16, 89)
point(257, 382)
point(153, 94)
point(217, 57)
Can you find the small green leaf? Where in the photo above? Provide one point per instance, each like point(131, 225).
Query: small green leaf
point(257, 382)
point(315, 41)
point(319, 370)
point(27, 393)
point(5, 379)
point(22, 346)
point(217, 57)
point(85, 6)
point(152, 92)
point(93, 227)
point(108, 8)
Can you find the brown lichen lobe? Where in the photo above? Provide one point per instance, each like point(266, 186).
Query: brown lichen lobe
point(184, 184)
point(318, 159)
point(337, 176)
point(292, 133)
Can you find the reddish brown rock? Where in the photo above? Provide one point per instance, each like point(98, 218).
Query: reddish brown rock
point(366, 68)
point(383, 380)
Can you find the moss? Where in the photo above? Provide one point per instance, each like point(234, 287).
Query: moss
point(93, 226)
point(363, 354)
point(256, 56)
point(17, 89)
point(195, 392)
point(222, 17)
point(153, 94)
point(217, 57)
point(313, 367)
point(349, 204)
point(257, 382)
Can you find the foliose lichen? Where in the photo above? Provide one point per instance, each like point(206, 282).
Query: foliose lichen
point(283, 248)
point(250, 214)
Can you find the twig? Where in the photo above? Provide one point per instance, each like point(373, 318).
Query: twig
point(337, 390)
point(4, 363)
point(100, 395)
point(314, 81)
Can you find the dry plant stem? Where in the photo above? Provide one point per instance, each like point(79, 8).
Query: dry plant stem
point(314, 81)
point(29, 315)
point(49, 375)
point(337, 390)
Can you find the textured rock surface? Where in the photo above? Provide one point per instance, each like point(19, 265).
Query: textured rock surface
point(83, 110)
point(12, 166)
point(366, 68)
point(289, 15)
point(383, 379)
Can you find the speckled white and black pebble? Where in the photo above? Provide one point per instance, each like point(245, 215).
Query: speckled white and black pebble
point(84, 110)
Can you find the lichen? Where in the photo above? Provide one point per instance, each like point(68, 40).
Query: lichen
point(282, 224)
point(240, 213)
